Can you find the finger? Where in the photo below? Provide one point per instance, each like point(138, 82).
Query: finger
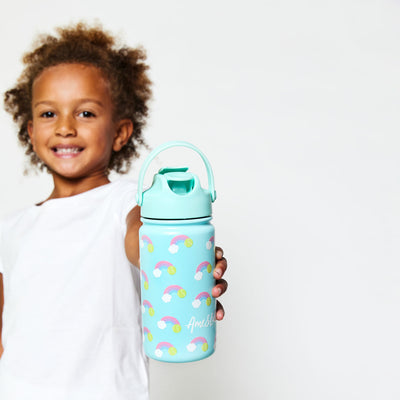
point(219, 253)
point(220, 288)
point(220, 268)
point(220, 313)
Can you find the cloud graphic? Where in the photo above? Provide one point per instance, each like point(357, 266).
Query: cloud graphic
point(161, 324)
point(143, 309)
point(141, 244)
point(191, 347)
point(167, 298)
point(157, 273)
point(158, 353)
point(196, 303)
point(173, 248)
point(198, 276)
point(208, 245)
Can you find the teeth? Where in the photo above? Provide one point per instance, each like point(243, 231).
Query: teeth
point(67, 150)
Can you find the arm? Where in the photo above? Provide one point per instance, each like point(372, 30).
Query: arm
point(1, 311)
point(133, 224)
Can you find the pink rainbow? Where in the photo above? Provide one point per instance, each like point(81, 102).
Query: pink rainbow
point(146, 239)
point(146, 330)
point(173, 288)
point(202, 296)
point(202, 266)
point(170, 319)
point(164, 345)
point(179, 238)
point(198, 340)
point(145, 276)
point(162, 264)
point(211, 239)
point(147, 303)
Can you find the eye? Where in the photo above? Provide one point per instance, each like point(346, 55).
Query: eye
point(86, 114)
point(47, 114)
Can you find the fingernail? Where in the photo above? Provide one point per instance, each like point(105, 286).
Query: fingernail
point(219, 253)
point(218, 272)
point(219, 291)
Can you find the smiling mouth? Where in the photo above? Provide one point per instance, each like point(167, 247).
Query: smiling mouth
point(67, 150)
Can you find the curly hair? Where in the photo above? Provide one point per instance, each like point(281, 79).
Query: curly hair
point(124, 68)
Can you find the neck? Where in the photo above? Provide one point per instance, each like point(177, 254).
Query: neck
point(70, 187)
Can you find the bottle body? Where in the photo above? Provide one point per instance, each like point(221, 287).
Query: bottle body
point(177, 260)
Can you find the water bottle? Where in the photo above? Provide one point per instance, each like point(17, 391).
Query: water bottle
point(177, 260)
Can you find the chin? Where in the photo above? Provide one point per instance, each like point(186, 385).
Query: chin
point(67, 174)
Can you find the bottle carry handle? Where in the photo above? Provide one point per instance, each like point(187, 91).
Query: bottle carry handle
point(165, 146)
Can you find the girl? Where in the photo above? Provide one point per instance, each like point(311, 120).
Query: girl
point(72, 315)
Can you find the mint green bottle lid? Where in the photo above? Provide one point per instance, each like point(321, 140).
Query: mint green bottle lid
point(175, 193)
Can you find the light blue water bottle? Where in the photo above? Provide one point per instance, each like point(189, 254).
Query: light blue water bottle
point(177, 260)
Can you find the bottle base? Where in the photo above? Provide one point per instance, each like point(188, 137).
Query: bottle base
point(178, 360)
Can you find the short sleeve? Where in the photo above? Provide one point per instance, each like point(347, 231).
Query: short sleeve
point(127, 200)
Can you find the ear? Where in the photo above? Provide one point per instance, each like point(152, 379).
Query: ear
point(123, 132)
point(29, 128)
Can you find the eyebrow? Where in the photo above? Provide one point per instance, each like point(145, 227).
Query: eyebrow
point(80, 101)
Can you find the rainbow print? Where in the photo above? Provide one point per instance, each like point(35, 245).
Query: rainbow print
point(165, 346)
point(192, 346)
point(200, 297)
point(147, 305)
point(210, 243)
point(147, 333)
point(174, 245)
point(176, 326)
point(145, 279)
point(205, 265)
point(173, 289)
point(160, 266)
point(145, 240)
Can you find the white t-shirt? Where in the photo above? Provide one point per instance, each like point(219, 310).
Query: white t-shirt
point(72, 316)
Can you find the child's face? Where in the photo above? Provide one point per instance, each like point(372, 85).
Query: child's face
point(72, 107)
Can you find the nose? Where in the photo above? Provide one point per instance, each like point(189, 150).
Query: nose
point(66, 126)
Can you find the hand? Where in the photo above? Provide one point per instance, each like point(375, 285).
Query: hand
point(221, 284)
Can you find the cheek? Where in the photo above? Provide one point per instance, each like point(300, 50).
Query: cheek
point(39, 136)
point(107, 134)
point(104, 143)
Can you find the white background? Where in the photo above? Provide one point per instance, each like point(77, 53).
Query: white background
point(296, 104)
